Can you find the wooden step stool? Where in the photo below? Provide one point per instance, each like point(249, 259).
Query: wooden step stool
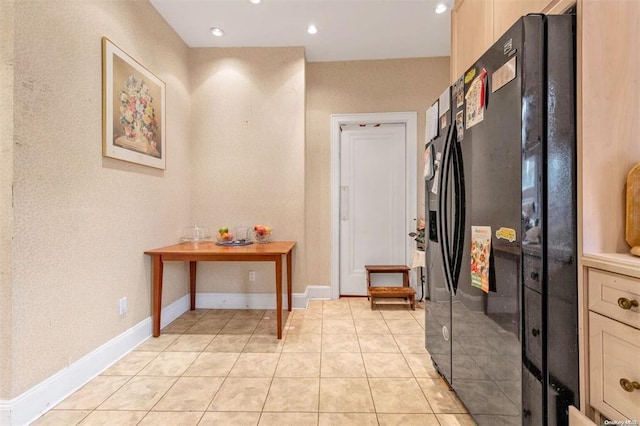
point(404, 292)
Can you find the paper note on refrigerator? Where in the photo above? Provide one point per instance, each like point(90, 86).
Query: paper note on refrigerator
point(445, 101)
point(444, 105)
point(432, 123)
point(480, 254)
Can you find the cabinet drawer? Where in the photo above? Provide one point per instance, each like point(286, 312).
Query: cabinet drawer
point(607, 292)
point(614, 350)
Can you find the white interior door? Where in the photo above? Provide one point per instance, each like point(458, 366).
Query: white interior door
point(372, 202)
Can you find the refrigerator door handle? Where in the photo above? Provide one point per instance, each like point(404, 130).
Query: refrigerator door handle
point(458, 175)
point(443, 211)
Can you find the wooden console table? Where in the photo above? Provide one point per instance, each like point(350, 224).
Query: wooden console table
point(210, 252)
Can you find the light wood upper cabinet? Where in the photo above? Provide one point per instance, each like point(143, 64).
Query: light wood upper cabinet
point(477, 24)
point(471, 33)
point(506, 12)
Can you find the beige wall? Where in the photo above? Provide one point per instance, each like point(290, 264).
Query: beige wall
point(81, 221)
point(397, 85)
point(6, 180)
point(236, 155)
point(248, 145)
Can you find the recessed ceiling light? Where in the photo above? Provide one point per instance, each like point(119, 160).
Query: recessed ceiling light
point(217, 32)
point(255, 1)
point(312, 29)
point(441, 8)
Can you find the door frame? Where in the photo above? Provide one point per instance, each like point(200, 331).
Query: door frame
point(410, 120)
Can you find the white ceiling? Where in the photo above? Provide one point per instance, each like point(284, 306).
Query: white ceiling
point(347, 29)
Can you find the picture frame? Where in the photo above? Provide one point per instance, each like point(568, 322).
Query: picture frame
point(133, 110)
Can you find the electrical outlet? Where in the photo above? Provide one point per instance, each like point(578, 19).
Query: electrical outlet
point(123, 305)
point(252, 276)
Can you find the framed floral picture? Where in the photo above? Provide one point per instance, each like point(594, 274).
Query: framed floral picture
point(133, 110)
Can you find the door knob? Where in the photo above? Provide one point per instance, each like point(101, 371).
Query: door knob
point(625, 303)
point(629, 386)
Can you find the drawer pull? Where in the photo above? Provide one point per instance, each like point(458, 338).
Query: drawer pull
point(629, 386)
point(535, 276)
point(625, 303)
point(535, 332)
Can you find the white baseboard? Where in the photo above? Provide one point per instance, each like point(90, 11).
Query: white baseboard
point(259, 300)
point(37, 400)
point(5, 412)
point(174, 310)
point(313, 292)
point(238, 300)
point(30, 405)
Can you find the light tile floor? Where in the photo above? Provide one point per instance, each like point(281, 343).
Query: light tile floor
point(339, 363)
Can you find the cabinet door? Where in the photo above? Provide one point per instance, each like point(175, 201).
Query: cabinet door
point(471, 33)
point(614, 349)
point(507, 12)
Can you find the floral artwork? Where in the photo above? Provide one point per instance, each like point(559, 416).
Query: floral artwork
point(480, 253)
point(138, 118)
point(133, 110)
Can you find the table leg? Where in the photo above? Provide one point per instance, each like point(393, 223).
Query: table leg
point(278, 260)
point(192, 283)
point(289, 281)
point(157, 293)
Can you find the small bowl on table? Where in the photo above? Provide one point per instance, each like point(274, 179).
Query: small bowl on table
point(195, 234)
point(262, 234)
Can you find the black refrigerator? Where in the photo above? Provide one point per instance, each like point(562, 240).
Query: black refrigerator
point(502, 323)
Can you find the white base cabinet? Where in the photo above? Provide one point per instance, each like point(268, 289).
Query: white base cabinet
point(614, 338)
